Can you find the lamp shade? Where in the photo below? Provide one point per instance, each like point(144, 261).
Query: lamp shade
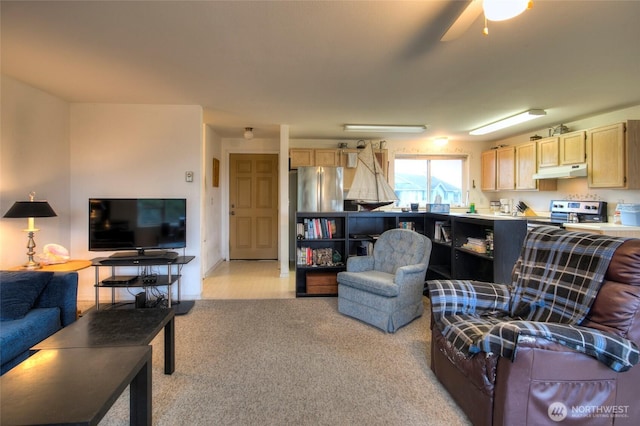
point(501, 10)
point(22, 209)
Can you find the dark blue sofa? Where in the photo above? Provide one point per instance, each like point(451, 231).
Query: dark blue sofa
point(33, 306)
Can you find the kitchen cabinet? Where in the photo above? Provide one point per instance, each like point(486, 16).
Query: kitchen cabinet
point(526, 166)
point(572, 148)
point(300, 157)
point(568, 148)
point(506, 168)
point(498, 169)
point(512, 168)
point(548, 152)
point(327, 157)
point(526, 162)
point(488, 170)
point(613, 156)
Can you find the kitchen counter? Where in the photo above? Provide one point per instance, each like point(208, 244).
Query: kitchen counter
point(488, 216)
point(605, 228)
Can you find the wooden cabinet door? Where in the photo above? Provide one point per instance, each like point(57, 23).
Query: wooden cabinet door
point(488, 171)
point(606, 156)
point(506, 168)
point(572, 148)
point(300, 157)
point(327, 157)
point(526, 166)
point(548, 153)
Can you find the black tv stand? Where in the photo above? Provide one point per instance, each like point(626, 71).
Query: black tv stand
point(144, 255)
point(116, 281)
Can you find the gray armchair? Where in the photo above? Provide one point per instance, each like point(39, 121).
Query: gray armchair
point(386, 289)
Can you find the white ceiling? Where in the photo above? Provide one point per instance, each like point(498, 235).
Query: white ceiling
point(317, 65)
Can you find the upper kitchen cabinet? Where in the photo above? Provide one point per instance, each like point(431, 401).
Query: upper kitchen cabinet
point(572, 148)
point(327, 157)
point(548, 152)
point(498, 169)
point(300, 157)
point(506, 168)
point(613, 156)
point(488, 170)
point(512, 168)
point(526, 168)
point(568, 148)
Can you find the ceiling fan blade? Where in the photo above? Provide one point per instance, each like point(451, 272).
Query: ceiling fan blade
point(464, 21)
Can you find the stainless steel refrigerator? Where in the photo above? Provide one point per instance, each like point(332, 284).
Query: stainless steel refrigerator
point(320, 189)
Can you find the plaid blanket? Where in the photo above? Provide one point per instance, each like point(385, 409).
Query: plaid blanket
point(555, 281)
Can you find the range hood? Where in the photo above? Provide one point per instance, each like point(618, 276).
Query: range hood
point(570, 171)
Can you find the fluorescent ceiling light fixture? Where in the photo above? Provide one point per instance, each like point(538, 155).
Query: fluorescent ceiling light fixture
point(509, 121)
point(501, 10)
point(384, 128)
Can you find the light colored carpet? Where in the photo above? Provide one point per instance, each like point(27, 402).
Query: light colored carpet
point(293, 362)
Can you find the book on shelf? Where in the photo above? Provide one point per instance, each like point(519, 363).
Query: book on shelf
point(476, 245)
point(317, 228)
point(446, 233)
point(442, 231)
point(307, 256)
point(407, 225)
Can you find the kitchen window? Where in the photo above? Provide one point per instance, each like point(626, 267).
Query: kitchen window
point(427, 179)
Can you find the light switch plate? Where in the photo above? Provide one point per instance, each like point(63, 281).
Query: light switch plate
point(188, 176)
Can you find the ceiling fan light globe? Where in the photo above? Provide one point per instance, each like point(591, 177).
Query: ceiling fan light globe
point(501, 10)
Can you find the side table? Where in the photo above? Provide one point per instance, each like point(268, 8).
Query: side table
point(69, 266)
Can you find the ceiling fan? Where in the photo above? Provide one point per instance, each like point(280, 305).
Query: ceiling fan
point(494, 10)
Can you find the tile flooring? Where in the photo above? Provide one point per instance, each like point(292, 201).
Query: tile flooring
point(248, 279)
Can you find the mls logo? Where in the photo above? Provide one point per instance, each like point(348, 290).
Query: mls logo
point(557, 411)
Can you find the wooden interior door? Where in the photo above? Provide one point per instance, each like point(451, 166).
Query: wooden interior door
point(253, 206)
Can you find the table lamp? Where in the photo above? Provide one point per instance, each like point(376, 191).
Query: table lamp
point(30, 210)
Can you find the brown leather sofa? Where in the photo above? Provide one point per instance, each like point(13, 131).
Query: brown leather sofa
point(493, 390)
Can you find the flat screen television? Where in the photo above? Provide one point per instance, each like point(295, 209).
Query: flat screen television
point(137, 224)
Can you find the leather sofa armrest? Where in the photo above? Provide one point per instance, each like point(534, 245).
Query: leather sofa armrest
point(454, 297)
point(360, 263)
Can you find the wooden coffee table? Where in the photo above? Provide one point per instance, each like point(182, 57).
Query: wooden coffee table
point(77, 386)
point(118, 327)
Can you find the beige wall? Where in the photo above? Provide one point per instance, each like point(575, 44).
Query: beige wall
point(136, 151)
point(34, 156)
point(212, 242)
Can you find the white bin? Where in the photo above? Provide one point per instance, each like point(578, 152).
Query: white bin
point(630, 214)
